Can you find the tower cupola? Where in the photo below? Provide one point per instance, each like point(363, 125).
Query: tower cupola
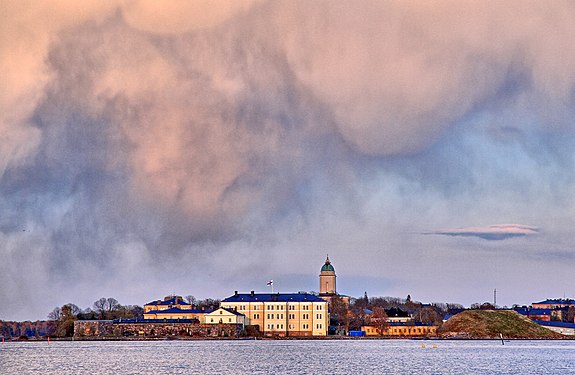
point(327, 278)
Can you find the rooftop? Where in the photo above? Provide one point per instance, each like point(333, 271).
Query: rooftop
point(327, 267)
point(276, 297)
point(558, 301)
point(177, 310)
point(173, 300)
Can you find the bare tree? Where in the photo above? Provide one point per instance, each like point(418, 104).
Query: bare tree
point(190, 299)
point(100, 307)
point(569, 316)
point(55, 314)
point(379, 320)
point(340, 314)
point(112, 305)
point(74, 309)
point(428, 315)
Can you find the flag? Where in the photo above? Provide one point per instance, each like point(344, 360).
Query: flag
point(270, 283)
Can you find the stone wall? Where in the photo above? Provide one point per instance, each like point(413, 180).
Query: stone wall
point(108, 328)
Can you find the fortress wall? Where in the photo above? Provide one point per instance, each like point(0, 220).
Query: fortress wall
point(103, 328)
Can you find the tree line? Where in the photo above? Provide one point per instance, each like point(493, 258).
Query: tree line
point(375, 311)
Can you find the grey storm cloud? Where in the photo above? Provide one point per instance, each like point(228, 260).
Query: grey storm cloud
point(139, 138)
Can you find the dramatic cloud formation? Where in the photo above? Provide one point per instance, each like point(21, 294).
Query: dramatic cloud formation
point(492, 232)
point(203, 147)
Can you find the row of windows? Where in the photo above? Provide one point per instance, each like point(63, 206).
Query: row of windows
point(292, 326)
point(290, 316)
point(273, 307)
point(278, 316)
point(278, 307)
point(279, 326)
point(212, 320)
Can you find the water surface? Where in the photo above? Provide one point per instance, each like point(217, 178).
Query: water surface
point(288, 357)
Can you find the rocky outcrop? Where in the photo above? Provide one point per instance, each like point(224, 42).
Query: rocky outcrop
point(491, 324)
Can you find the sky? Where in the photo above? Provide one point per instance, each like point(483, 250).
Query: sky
point(202, 147)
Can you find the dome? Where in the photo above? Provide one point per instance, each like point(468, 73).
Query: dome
point(327, 267)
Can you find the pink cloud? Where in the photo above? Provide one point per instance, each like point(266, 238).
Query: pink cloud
point(491, 232)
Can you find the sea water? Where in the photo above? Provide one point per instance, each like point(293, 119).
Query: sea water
point(288, 357)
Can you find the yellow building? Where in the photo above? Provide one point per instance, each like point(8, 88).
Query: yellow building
point(282, 314)
point(225, 316)
point(402, 330)
point(172, 308)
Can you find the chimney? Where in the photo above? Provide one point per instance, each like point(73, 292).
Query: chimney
point(236, 293)
point(252, 293)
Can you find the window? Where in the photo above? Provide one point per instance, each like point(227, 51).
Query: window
point(230, 320)
point(318, 316)
point(318, 326)
point(211, 320)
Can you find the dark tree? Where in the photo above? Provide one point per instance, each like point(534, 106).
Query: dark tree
point(428, 315)
point(569, 316)
point(190, 299)
point(339, 314)
point(100, 307)
point(379, 320)
point(63, 320)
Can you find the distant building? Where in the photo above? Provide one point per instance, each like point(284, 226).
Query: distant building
point(563, 328)
point(535, 313)
point(173, 308)
point(225, 316)
point(412, 329)
point(553, 303)
point(282, 314)
point(548, 310)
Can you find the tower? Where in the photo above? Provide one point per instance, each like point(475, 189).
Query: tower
point(327, 279)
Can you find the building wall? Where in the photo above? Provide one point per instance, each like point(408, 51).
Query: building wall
point(402, 331)
point(183, 315)
point(88, 328)
point(327, 282)
point(285, 318)
point(562, 330)
point(221, 316)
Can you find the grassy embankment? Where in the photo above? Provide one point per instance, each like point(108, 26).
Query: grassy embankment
point(489, 324)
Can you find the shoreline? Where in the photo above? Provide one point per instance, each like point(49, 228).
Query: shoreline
point(327, 338)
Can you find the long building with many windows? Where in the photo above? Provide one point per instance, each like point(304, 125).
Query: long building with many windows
point(282, 314)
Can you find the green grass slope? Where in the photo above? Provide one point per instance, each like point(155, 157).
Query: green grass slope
point(488, 324)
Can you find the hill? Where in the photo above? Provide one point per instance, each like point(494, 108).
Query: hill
point(488, 324)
